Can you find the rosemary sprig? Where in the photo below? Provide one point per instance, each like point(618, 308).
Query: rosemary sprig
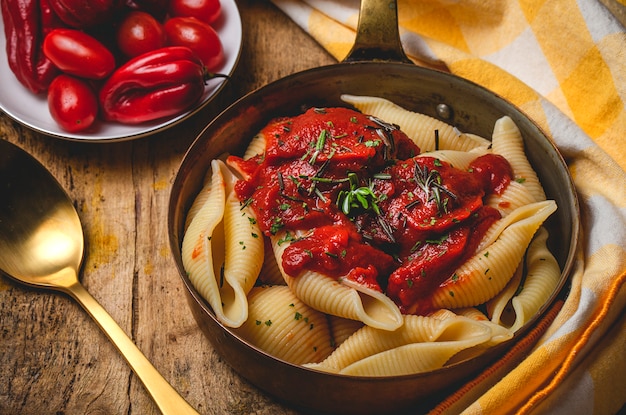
point(430, 183)
point(386, 228)
point(386, 135)
point(319, 146)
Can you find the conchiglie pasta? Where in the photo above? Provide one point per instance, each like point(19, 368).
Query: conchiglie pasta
point(244, 252)
point(514, 196)
point(507, 141)
point(200, 199)
point(421, 344)
point(499, 307)
point(270, 272)
point(342, 298)
point(442, 314)
point(222, 250)
point(499, 333)
point(256, 147)
point(197, 247)
point(533, 291)
point(496, 229)
point(473, 313)
point(488, 271)
point(283, 326)
point(342, 328)
point(540, 282)
point(458, 159)
point(419, 127)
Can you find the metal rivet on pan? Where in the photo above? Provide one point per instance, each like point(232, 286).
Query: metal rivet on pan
point(444, 111)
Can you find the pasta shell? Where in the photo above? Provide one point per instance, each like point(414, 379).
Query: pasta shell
point(458, 159)
point(256, 146)
point(342, 298)
point(243, 258)
point(283, 326)
point(421, 344)
point(419, 127)
point(214, 249)
point(342, 328)
point(514, 196)
point(541, 279)
point(485, 274)
point(270, 273)
point(499, 307)
point(507, 141)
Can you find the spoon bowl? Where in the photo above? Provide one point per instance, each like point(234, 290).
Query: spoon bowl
point(42, 245)
point(41, 236)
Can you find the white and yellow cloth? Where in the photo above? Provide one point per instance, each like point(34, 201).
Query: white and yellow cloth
point(563, 62)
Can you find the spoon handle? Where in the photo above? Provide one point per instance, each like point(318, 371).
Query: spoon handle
point(164, 395)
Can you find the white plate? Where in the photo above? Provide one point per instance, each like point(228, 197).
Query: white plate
point(32, 110)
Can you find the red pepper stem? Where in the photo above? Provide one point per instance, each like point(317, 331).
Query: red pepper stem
point(211, 75)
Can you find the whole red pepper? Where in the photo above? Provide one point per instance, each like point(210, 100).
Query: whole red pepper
point(85, 14)
point(26, 23)
point(157, 84)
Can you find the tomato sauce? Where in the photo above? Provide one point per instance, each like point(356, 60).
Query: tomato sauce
point(355, 200)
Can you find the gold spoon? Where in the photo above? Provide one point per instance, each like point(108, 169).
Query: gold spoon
point(41, 245)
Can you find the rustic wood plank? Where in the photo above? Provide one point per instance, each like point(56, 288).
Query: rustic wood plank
point(54, 357)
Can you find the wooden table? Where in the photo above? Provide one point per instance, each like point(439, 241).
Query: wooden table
point(54, 359)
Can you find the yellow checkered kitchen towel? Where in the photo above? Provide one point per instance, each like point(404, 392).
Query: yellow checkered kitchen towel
point(563, 62)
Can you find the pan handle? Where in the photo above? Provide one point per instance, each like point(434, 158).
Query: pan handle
point(377, 34)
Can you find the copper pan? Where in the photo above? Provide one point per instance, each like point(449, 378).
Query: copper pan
point(376, 66)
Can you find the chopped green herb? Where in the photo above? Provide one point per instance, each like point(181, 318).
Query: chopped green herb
point(277, 225)
point(246, 203)
point(416, 246)
point(287, 238)
point(359, 198)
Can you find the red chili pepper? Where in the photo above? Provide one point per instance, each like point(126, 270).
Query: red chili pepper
point(26, 23)
point(77, 53)
point(85, 14)
point(157, 84)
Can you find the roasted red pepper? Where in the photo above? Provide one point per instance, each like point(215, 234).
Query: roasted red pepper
point(26, 23)
point(161, 83)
